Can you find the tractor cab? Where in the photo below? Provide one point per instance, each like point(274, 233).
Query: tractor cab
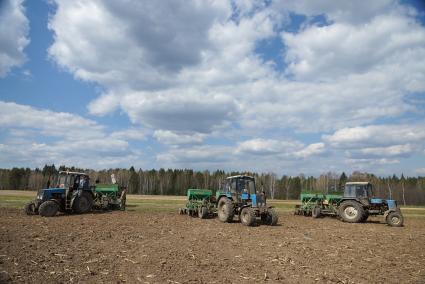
point(358, 190)
point(72, 180)
point(241, 189)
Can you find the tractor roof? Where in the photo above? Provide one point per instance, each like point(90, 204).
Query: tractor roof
point(73, 173)
point(241, 177)
point(357, 183)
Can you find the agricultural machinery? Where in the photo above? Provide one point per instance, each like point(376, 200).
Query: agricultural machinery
point(200, 202)
point(355, 206)
point(238, 196)
point(72, 193)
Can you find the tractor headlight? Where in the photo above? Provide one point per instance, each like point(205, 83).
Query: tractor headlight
point(40, 194)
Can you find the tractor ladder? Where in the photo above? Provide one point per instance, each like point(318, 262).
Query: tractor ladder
point(67, 200)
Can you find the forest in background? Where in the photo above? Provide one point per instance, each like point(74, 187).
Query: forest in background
point(406, 190)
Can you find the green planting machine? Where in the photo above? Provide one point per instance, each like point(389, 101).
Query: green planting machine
point(200, 202)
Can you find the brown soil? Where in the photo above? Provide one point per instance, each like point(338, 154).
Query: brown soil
point(136, 247)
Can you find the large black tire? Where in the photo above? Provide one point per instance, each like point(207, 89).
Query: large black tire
point(48, 208)
point(30, 208)
point(395, 219)
point(351, 211)
point(365, 216)
point(83, 203)
point(271, 218)
point(202, 212)
point(316, 212)
point(247, 216)
point(225, 210)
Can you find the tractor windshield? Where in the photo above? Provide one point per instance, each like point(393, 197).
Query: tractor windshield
point(62, 181)
point(247, 186)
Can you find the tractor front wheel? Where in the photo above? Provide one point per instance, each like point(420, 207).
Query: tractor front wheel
point(271, 218)
point(225, 210)
point(30, 208)
point(395, 219)
point(351, 211)
point(247, 216)
point(83, 203)
point(48, 208)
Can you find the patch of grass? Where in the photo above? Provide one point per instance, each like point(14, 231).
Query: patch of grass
point(154, 205)
point(12, 201)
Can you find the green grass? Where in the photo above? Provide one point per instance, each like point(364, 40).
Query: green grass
point(12, 201)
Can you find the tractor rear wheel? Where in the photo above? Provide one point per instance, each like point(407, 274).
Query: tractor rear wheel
point(395, 219)
point(83, 203)
point(30, 208)
point(225, 210)
point(351, 211)
point(247, 216)
point(202, 212)
point(48, 208)
point(316, 212)
point(271, 218)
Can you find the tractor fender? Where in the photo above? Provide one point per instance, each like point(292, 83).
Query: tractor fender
point(242, 207)
point(223, 196)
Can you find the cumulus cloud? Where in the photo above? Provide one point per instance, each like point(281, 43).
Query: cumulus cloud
point(14, 29)
point(49, 123)
point(260, 146)
point(318, 53)
point(376, 135)
point(310, 150)
point(196, 75)
point(76, 140)
point(172, 138)
point(130, 134)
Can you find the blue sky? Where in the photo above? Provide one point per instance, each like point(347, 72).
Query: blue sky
point(273, 86)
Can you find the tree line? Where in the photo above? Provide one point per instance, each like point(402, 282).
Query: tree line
point(406, 190)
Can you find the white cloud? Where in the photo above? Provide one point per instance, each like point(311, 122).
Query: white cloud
point(341, 11)
point(132, 45)
point(49, 123)
point(395, 150)
point(310, 150)
point(327, 52)
point(197, 156)
point(376, 135)
point(130, 134)
point(196, 75)
point(260, 146)
point(76, 140)
point(14, 29)
point(172, 138)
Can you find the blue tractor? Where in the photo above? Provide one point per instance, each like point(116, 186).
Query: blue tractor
point(238, 196)
point(358, 204)
point(70, 193)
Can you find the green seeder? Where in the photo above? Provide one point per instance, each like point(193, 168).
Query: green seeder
point(200, 202)
point(327, 202)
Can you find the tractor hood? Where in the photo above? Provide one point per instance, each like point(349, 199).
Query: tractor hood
point(48, 192)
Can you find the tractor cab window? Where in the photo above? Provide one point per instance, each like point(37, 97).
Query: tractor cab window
point(251, 186)
point(62, 181)
point(369, 190)
point(361, 191)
